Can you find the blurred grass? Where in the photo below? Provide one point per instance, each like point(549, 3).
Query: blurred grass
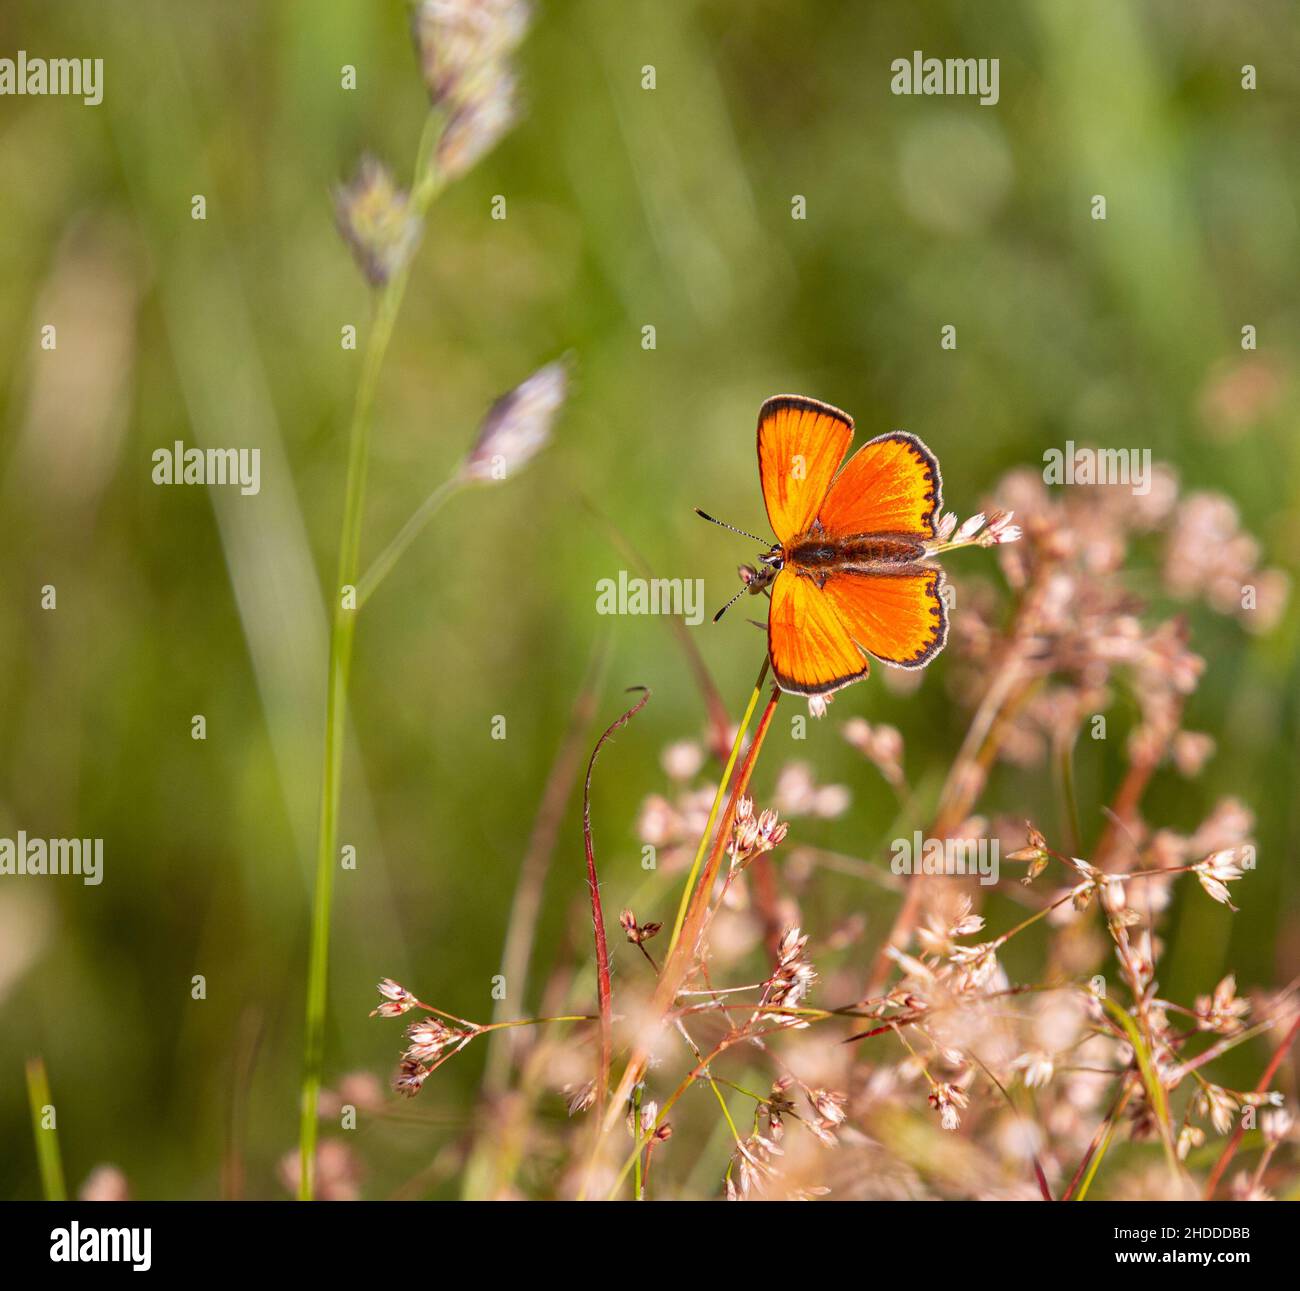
point(45, 1136)
point(626, 208)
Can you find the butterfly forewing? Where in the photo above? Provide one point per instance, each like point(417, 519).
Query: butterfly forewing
point(800, 445)
point(890, 485)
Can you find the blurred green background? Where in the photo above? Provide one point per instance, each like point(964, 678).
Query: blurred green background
point(626, 207)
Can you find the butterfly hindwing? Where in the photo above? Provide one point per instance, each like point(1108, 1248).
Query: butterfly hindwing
point(890, 485)
point(809, 644)
point(801, 443)
point(899, 617)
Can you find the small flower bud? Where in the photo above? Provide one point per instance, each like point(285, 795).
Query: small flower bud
point(456, 40)
point(478, 125)
point(518, 426)
point(375, 219)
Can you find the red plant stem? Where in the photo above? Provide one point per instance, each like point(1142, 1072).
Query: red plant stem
point(1115, 1109)
point(1040, 1176)
point(603, 988)
point(680, 961)
point(1042, 1179)
point(767, 902)
point(1260, 1086)
point(686, 946)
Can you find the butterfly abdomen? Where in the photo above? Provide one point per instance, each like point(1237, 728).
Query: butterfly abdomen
point(817, 551)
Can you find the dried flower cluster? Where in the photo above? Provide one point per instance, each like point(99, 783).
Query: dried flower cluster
point(429, 1040)
point(960, 1079)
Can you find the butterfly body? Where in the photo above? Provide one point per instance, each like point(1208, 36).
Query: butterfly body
point(848, 576)
point(819, 556)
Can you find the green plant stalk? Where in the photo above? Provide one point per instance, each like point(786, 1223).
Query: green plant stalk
point(1151, 1082)
point(713, 1085)
point(342, 634)
point(1095, 1163)
point(643, 1138)
point(677, 962)
point(713, 811)
point(47, 1140)
point(406, 535)
point(726, 1114)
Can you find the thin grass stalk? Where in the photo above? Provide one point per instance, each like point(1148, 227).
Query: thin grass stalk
point(699, 906)
point(1068, 794)
point(678, 962)
point(1123, 809)
point(1097, 1148)
point(342, 634)
point(766, 902)
point(1040, 1175)
point(243, 1064)
point(383, 564)
point(689, 888)
point(1151, 1082)
point(643, 1137)
point(505, 1129)
point(604, 991)
point(1095, 1164)
point(637, 1193)
point(47, 1137)
point(1216, 1050)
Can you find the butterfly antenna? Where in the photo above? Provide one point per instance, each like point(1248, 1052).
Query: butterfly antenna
point(744, 533)
point(730, 603)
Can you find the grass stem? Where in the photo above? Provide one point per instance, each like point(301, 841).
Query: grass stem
point(342, 633)
point(46, 1136)
point(382, 565)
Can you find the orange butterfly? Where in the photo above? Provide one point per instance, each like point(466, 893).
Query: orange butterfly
point(848, 573)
